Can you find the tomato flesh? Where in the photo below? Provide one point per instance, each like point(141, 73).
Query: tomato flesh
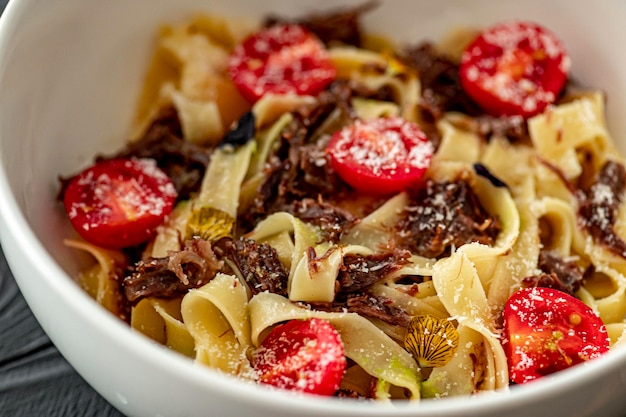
point(547, 330)
point(514, 68)
point(380, 156)
point(281, 59)
point(119, 203)
point(302, 355)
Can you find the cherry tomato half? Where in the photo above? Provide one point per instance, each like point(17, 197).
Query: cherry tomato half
point(546, 330)
point(302, 355)
point(380, 156)
point(119, 203)
point(514, 68)
point(280, 59)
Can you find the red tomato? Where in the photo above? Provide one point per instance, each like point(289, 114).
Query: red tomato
point(280, 59)
point(119, 203)
point(380, 156)
point(546, 330)
point(302, 355)
point(514, 68)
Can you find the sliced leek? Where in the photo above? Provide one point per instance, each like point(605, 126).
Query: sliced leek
point(215, 208)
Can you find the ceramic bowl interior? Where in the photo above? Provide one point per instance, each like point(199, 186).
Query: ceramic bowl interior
point(70, 73)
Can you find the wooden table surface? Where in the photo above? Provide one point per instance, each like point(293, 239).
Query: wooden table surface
point(35, 380)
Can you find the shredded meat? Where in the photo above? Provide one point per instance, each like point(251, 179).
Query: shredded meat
point(349, 393)
point(336, 26)
point(359, 272)
point(374, 306)
point(599, 205)
point(443, 215)
point(368, 305)
point(301, 168)
point(441, 85)
point(332, 220)
point(173, 275)
point(512, 127)
point(121, 308)
point(557, 273)
point(257, 263)
point(442, 92)
point(183, 161)
point(199, 262)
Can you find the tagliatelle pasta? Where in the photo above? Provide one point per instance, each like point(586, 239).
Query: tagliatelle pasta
point(265, 231)
point(391, 363)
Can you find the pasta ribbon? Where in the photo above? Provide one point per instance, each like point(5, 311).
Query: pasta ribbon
point(605, 293)
point(368, 346)
point(188, 70)
point(368, 109)
point(561, 219)
point(201, 121)
point(522, 259)
point(460, 376)
point(304, 237)
point(457, 144)
point(375, 71)
point(272, 107)
point(461, 292)
point(100, 280)
point(161, 321)
point(557, 133)
point(169, 235)
point(424, 302)
point(314, 279)
point(374, 231)
point(217, 318)
point(215, 209)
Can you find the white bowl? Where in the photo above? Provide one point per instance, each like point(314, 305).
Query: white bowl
point(70, 71)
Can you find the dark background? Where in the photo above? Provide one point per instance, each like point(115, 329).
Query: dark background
point(35, 380)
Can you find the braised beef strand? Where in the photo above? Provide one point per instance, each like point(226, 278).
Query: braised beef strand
point(335, 26)
point(332, 221)
point(443, 215)
point(368, 305)
point(375, 306)
point(183, 161)
point(441, 84)
point(442, 92)
point(122, 308)
point(349, 393)
point(558, 273)
point(257, 263)
point(301, 168)
point(172, 276)
point(599, 205)
point(359, 272)
point(513, 128)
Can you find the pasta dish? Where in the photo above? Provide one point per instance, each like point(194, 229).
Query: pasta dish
point(309, 206)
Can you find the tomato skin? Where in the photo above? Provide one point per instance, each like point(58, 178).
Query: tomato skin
point(547, 330)
point(280, 59)
point(514, 68)
point(302, 355)
point(380, 156)
point(119, 203)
